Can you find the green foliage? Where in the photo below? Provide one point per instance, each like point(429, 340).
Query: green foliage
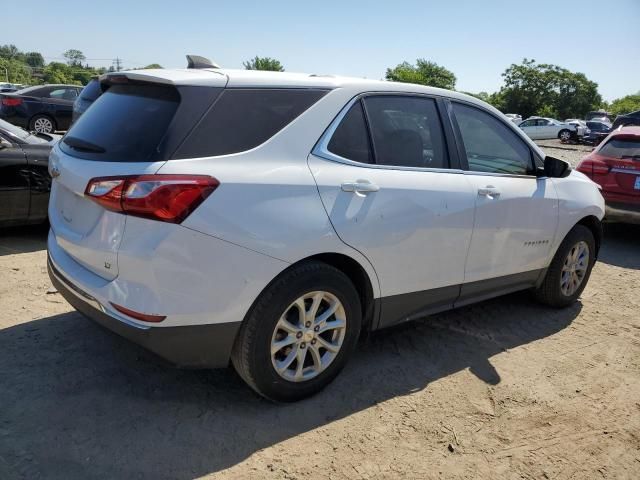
point(34, 59)
point(14, 71)
point(152, 65)
point(545, 89)
point(630, 103)
point(263, 63)
point(423, 72)
point(74, 57)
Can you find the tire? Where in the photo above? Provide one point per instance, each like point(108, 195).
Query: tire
point(564, 135)
point(260, 332)
point(42, 124)
point(551, 291)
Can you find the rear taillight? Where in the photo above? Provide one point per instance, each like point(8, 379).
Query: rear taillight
point(168, 198)
point(591, 167)
point(11, 102)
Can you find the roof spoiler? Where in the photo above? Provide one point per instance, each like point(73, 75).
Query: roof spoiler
point(196, 61)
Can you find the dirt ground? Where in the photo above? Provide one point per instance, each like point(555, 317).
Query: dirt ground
point(503, 389)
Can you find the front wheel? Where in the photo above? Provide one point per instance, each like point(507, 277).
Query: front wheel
point(570, 269)
point(299, 333)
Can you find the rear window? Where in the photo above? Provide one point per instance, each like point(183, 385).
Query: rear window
point(242, 119)
point(618, 147)
point(127, 123)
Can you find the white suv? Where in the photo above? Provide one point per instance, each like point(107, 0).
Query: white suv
point(267, 219)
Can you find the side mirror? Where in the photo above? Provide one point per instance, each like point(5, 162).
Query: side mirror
point(556, 168)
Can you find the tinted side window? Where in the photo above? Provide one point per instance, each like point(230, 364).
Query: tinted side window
point(242, 119)
point(528, 123)
point(406, 131)
point(351, 139)
point(490, 145)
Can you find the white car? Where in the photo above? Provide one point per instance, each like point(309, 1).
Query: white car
point(580, 125)
point(539, 128)
point(514, 117)
point(267, 219)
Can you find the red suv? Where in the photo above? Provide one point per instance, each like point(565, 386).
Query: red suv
point(615, 166)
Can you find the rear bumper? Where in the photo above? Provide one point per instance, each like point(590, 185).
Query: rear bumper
point(192, 346)
point(622, 213)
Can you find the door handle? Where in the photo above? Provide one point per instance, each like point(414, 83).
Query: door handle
point(360, 187)
point(489, 191)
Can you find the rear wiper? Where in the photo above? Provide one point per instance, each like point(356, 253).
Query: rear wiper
point(83, 145)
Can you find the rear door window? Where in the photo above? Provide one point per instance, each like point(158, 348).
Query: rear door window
point(406, 131)
point(127, 123)
point(244, 118)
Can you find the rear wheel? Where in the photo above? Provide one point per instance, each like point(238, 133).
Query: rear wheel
point(299, 333)
point(42, 124)
point(570, 269)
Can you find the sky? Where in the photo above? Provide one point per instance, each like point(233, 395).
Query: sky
point(477, 40)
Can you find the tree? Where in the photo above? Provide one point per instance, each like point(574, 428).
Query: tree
point(34, 59)
point(14, 71)
point(10, 52)
point(264, 63)
point(534, 89)
point(153, 65)
point(74, 57)
point(423, 72)
point(629, 103)
point(56, 72)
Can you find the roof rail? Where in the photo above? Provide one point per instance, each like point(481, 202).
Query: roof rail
point(196, 61)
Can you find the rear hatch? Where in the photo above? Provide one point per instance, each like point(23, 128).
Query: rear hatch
point(131, 129)
point(621, 153)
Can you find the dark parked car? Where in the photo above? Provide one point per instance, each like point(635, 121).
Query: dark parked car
point(45, 108)
point(596, 132)
point(88, 95)
point(632, 118)
point(600, 116)
point(24, 176)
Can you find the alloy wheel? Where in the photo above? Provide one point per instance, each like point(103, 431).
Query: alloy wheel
point(574, 268)
point(43, 125)
point(308, 336)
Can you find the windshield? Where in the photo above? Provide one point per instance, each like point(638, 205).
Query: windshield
point(621, 147)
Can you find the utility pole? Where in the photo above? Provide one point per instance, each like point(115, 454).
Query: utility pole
point(117, 64)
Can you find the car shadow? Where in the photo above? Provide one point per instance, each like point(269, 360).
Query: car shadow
point(621, 245)
point(76, 401)
point(23, 239)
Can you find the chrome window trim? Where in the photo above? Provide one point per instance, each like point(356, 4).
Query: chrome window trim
point(321, 149)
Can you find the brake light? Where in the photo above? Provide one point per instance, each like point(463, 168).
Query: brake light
point(137, 315)
point(591, 167)
point(11, 102)
point(167, 198)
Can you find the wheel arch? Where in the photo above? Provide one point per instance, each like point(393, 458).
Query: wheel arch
point(595, 225)
point(358, 276)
